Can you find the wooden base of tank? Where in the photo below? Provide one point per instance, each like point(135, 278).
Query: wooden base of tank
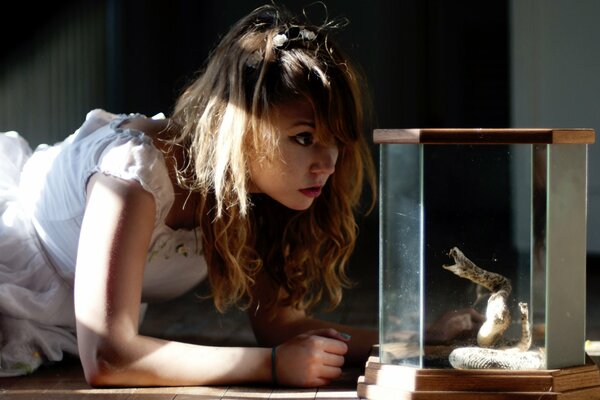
point(384, 381)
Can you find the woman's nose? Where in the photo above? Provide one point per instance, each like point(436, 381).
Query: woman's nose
point(325, 160)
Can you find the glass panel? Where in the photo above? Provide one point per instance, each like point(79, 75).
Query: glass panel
point(468, 192)
point(538, 254)
point(400, 255)
point(435, 198)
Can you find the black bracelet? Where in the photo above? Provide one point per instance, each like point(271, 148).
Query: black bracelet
point(273, 366)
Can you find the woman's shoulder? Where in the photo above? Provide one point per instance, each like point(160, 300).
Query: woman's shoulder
point(135, 143)
point(161, 130)
point(157, 128)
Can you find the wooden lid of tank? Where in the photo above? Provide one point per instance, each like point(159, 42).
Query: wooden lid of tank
point(484, 136)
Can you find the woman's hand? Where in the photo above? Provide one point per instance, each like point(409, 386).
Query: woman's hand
point(311, 359)
point(310, 352)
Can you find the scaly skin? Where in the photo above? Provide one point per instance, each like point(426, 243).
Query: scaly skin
point(497, 321)
point(497, 314)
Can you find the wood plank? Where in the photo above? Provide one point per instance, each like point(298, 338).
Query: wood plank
point(336, 393)
point(583, 394)
point(485, 383)
point(482, 380)
point(485, 136)
point(384, 381)
point(563, 383)
point(199, 392)
point(374, 392)
point(249, 392)
point(294, 395)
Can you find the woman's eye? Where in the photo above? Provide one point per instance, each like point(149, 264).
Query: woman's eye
point(303, 139)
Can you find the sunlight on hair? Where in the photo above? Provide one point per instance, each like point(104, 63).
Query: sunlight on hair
point(230, 157)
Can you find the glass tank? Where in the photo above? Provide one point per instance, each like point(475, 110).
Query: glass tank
point(482, 247)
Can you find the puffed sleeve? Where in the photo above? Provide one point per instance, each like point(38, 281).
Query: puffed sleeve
point(132, 156)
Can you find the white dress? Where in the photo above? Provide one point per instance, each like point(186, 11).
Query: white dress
point(42, 202)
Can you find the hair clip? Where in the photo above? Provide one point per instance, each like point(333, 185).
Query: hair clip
point(292, 34)
point(289, 35)
point(305, 34)
point(280, 39)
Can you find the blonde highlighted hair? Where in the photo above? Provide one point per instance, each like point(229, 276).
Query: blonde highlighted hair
point(269, 58)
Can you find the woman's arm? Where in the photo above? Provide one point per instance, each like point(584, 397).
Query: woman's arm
point(114, 241)
point(275, 326)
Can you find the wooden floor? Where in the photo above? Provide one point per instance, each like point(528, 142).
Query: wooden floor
point(65, 381)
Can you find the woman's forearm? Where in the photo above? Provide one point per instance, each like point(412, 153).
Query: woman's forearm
point(146, 361)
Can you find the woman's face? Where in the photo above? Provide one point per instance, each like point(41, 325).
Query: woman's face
point(296, 175)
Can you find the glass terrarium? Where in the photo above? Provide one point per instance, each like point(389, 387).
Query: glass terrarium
point(482, 248)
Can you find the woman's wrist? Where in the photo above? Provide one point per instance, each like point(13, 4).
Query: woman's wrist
point(266, 369)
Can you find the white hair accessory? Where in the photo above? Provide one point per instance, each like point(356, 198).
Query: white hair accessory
point(280, 39)
point(292, 34)
point(305, 34)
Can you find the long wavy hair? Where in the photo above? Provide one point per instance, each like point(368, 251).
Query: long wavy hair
point(225, 115)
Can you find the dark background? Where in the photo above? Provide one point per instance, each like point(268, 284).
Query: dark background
point(429, 63)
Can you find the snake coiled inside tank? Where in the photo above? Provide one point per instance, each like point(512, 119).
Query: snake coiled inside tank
point(487, 354)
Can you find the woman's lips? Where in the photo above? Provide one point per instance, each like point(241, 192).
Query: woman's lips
point(311, 191)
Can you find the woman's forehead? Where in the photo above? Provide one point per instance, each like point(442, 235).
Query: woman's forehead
point(295, 112)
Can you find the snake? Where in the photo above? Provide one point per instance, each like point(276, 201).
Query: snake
point(490, 353)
